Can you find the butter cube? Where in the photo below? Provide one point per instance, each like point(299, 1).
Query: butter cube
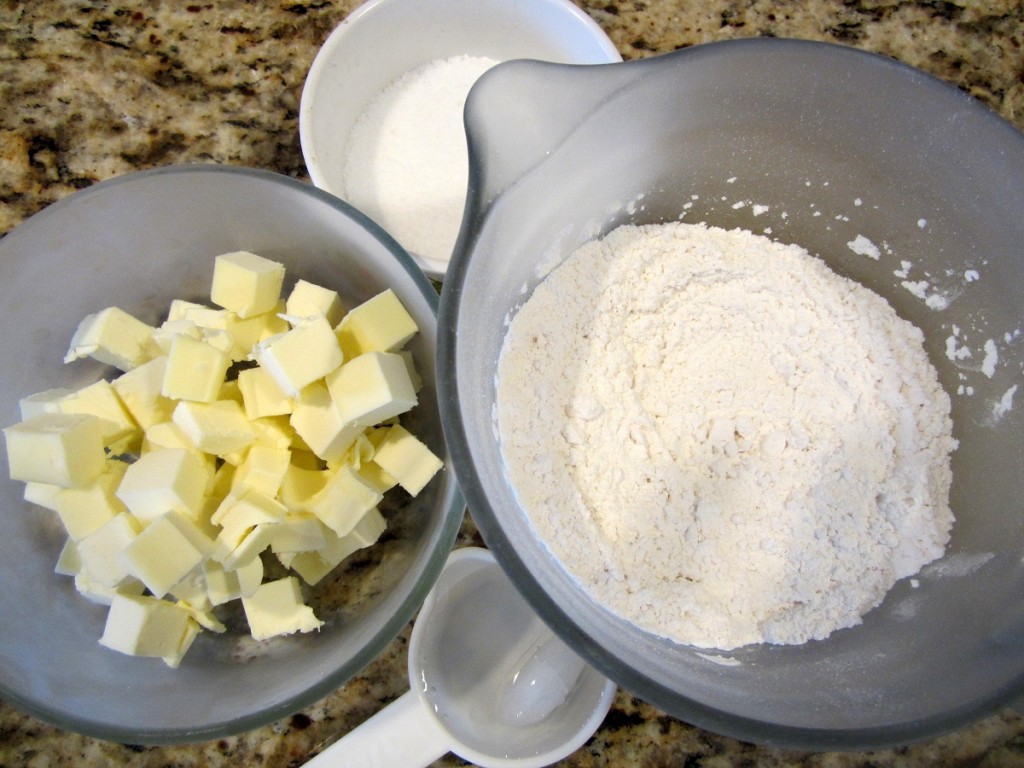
point(300, 485)
point(381, 324)
point(167, 434)
point(165, 552)
point(114, 337)
point(371, 388)
point(146, 626)
point(68, 562)
point(95, 592)
point(261, 394)
point(219, 427)
point(308, 300)
point(47, 401)
point(101, 400)
point(343, 500)
point(225, 585)
point(64, 449)
point(277, 608)
point(318, 420)
point(195, 370)
point(164, 480)
point(250, 509)
point(246, 284)
point(301, 356)
point(407, 459)
point(84, 510)
point(263, 469)
point(313, 566)
point(42, 494)
point(165, 334)
point(99, 551)
point(298, 533)
point(141, 392)
point(238, 545)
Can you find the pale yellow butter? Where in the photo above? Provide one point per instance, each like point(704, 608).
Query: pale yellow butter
point(318, 420)
point(343, 500)
point(277, 608)
point(164, 480)
point(165, 551)
point(308, 300)
point(114, 337)
point(263, 469)
point(83, 510)
point(146, 626)
point(381, 324)
point(141, 392)
point(64, 449)
point(301, 356)
point(195, 370)
point(99, 551)
point(261, 394)
point(371, 388)
point(219, 427)
point(245, 283)
point(101, 400)
point(47, 401)
point(314, 566)
point(406, 458)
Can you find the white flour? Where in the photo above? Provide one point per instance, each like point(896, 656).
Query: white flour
point(406, 164)
point(723, 440)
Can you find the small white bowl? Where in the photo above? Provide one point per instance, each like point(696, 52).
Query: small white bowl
point(384, 39)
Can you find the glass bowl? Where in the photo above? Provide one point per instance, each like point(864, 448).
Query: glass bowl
point(828, 148)
point(137, 242)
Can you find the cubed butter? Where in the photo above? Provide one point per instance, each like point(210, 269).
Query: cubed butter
point(219, 427)
point(165, 480)
point(314, 566)
point(64, 449)
point(371, 388)
point(47, 401)
point(406, 458)
point(99, 551)
point(301, 356)
point(141, 392)
point(343, 500)
point(263, 469)
point(101, 400)
point(308, 300)
point(114, 337)
point(298, 533)
point(318, 420)
point(381, 324)
point(165, 552)
point(261, 394)
point(69, 563)
point(245, 283)
point(83, 510)
point(195, 370)
point(300, 485)
point(277, 608)
point(145, 626)
point(43, 494)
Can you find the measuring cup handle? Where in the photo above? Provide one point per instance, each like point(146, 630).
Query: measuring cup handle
point(402, 735)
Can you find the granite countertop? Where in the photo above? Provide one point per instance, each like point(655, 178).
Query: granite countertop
point(91, 90)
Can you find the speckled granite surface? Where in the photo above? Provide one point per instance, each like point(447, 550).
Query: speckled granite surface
point(89, 90)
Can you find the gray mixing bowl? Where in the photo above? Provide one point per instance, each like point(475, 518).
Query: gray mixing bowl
point(818, 144)
point(139, 241)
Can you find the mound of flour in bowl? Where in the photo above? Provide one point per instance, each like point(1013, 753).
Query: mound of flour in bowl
point(724, 441)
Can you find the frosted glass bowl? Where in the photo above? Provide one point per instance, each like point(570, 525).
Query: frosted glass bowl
point(818, 145)
point(139, 241)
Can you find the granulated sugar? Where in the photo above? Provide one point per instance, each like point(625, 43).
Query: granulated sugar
point(406, 162)
point(723, 440)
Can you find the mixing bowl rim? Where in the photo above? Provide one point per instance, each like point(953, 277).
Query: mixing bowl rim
point(447, 532)
point(627, 675)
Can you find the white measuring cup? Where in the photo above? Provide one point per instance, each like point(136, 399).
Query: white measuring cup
point(488, 681)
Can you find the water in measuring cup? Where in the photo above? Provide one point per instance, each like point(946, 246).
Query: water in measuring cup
point(493, 672)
